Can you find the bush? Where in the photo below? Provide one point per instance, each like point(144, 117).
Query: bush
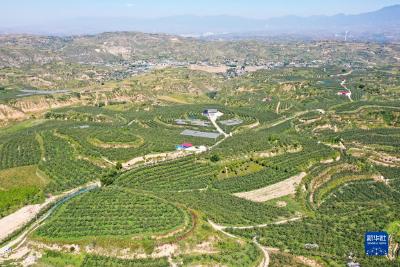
point(118, 166)
point(109, 177)
point(215, 158)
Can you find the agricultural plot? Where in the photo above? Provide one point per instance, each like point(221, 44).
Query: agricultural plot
point(336, 181)
point(113, 142)
point(355, 106)
point(55, 259)
point(254, 181)
point(64, 166)
point(258, 140)
point(338, 227)
point(93, 260)
point(113, 212)
point(338, 223)
point(86, 114)
point(129, 142)
point(20, 186)
point(277, 169)
point(185, 174)
point(278, 259)
point(277, 190)
point(362, 191)
point(218, 207)
point(383, 137)
point(231, 254)
point(389, 173)
point(249, 181)
point(20, 149)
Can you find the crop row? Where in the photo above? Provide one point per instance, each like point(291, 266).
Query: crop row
point(112, 212)
point(19, 150)
point(278, 168)
point(95, 260)
point(178, 175)
point(226, 209)
point(63, 165)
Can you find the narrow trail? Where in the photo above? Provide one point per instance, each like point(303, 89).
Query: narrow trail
point(266, 260)
point(220, 228)
point(345, 74)
point(277, 107)
point(223, 227)
point(298, 114)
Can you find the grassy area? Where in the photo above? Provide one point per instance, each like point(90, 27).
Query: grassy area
point(54, 259)
point(239, 169)
point(20, 186)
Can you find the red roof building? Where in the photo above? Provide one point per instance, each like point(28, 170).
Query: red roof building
point(344, 93)
point(187, 145)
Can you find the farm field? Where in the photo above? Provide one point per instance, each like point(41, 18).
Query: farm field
point(295, 176)
point(106, 212)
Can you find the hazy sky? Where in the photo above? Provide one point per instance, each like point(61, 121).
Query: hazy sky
point(19, 12)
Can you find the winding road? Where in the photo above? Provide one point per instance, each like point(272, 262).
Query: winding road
point(344, 86)
point(343, 83)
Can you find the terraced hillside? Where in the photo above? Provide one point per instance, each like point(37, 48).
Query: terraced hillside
point(143, 170)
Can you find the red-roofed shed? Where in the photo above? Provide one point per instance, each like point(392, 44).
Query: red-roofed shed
point(187, 145)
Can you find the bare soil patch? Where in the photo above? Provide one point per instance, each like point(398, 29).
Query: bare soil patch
point(277, 190)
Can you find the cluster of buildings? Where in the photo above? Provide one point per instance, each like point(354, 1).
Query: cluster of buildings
point(212, 115)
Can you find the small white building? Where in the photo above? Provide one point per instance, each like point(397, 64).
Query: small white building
point(197, 149)
point(212, 113)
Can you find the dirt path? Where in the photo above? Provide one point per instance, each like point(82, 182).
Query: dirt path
point(286, 119)
point(213, 120)
point(284, 188)
point(258, 225)
point(154, 158)
point(277, 107)
point(368, 107)
point(19, 219)
point(266, 260)
point(220, 228)
point(345, 74)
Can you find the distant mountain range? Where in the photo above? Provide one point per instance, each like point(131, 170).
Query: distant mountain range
point(383, 24)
